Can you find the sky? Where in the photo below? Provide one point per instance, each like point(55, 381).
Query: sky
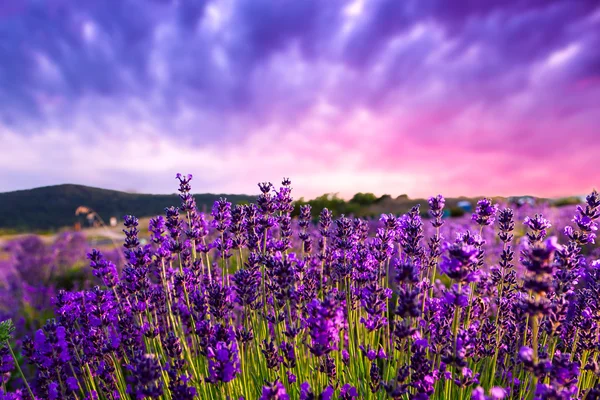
point(420, 97)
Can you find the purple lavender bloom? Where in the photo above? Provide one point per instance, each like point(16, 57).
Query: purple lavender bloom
point(538, 226)
point(496, 393)
point(103, 269)
point(188, 202)
point(485, 213)
point(6, 360)
point(283, 197)
point(172, 346)
point(131, 232)
point(526, 355)
point(238, 222)
point(436, 210)
point(18, 395)
point(305, 216)
point(375, 378)
point(219, 300)
point(538, 259)
point(368, 352)
point(180, 387)
point(456, 297)
point(547, 392)
point(265, 201)
point(389, 221)
point(324, 322)
point(303, 223)
point(223, 245)
point(72, 383)
point(223, 362)
point(274, 391)
point(382, 245)
point(348, 392)
point(345, 356)
point(459, 263)
point(410, 233)
point(564, 374)
point(406, 271)
point(53, 391)
point(585, 221)
point(409, 303)
point(184, 182)
point(144, 379)
point(506, 224)
point(157, 228)
point(173, 223)
point(306, 393)
point(586, 225)
point(325, 220)
point(291, 378)
point(289, 354)
point(374, 300)
point(247, 283)
point(221, 213)
point(272, 358)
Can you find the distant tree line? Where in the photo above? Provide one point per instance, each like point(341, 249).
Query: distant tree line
point(358, 205)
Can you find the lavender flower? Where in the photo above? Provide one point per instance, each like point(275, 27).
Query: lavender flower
point(539, 262)
point(131, 232)
point(223, 362)
point(143, 380)
point(221, 213)
point(324, 322)
point(274, 391)
point(538, 226)
point(485, 213)
point(436, 210)
point(411, 232)
point(496, 393)
point(348, 392)
point(307, 394)
point(459, 263)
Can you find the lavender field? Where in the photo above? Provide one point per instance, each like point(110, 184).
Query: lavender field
point(436, 240)
point(248, 302)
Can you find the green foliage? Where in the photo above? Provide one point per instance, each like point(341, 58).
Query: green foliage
point(364, 199)
point(330, 201)
point(456, 212)
point(8, 232)
point(6, 330)
point(73, 278)
point(385, 197)
point(567, 201)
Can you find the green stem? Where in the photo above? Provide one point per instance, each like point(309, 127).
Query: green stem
point(20, 370)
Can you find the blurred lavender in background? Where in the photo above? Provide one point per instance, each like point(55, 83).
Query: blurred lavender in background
point(33, 268)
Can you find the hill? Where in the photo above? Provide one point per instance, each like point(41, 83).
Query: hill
point(52, 207)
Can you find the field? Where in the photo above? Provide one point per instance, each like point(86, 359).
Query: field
point(275, 300)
